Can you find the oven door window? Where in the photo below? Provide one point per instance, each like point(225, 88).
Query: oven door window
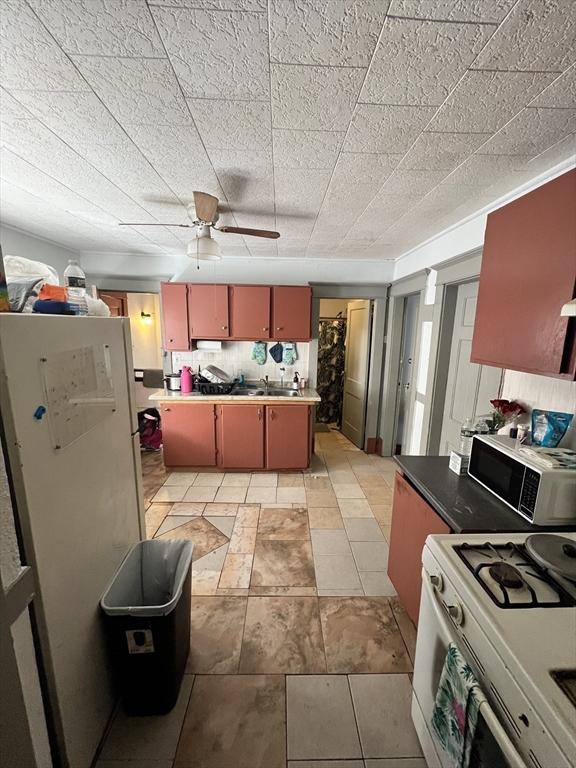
point(485, 750)
point(497, 471)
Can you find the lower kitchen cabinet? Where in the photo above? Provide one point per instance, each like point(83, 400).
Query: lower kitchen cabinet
point(287, 436)
point(189, 434)
point(240, 430)
point(412, 521)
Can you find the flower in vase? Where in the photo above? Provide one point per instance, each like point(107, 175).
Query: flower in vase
point(504, 411)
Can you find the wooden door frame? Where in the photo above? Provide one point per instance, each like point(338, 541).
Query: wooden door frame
point(121, 296)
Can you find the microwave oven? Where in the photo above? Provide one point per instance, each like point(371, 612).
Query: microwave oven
point(541, 495)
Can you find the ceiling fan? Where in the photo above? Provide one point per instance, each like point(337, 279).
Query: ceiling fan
point(204, 214)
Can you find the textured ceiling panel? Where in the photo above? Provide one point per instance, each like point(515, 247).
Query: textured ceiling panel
point(306, 149)
point(418, 183)
point(217, 54)
point(232, 124)
point(101, 27)
point(442, 151)
point(335, 33)
point(553, 155)
point(300, 190)
point(136, 90)
point(397, 74)
point(560, 93)
point(452, 10)
point(214, 5)
point(314, 98)
point(385, 128)
point(485, 101)
point(538, 35)
point(531, 132)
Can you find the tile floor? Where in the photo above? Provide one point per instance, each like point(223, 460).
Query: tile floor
point(300, 652)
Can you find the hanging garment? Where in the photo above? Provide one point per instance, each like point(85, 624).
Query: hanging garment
point(275, 352)
point(259, 352)
point(330, 381)
point(289, 357)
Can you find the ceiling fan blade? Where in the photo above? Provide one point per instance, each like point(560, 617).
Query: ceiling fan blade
point(206, 206)
point(153, 224)
point(252, 232)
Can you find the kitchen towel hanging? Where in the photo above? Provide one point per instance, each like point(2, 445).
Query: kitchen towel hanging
point(276, 352)
point(455, 713)
point(289, 355)
point(259, 352)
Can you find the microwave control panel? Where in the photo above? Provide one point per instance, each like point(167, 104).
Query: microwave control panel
point(529, 492)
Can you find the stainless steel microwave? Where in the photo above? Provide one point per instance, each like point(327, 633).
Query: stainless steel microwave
point(541, 495)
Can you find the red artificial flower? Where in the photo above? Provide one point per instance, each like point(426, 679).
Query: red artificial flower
point(508, 408)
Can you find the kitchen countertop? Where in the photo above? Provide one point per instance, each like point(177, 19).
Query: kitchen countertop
point(460, 501)
point(307, 396)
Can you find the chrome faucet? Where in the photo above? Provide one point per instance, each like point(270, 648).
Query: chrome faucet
point(266, 385)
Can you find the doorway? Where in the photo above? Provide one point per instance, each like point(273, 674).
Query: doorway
point(344, 337)
point(406, 371)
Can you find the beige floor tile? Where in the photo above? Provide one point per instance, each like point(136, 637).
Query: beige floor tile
point(291, 495)
point(348, 491)
point(371, 479)
point(324, 517)
point(341, 592)
point(188, 508)
point(220, 509)
point(173, 521)
point(213, 561)
point(405, 625)
point(389, 762)
point(287, 591)
point(205, 537)
point(382, 512)
point(236, 572)
point(147, 738)
point(243, 541)
point(320, 498)
point(283, 564)
point(327, 764)
point(170, 493)
point(361, 635)
point(261, 495)
point(155, 514)
point(285, 524)
point(234, 721)
point(231, 495)
point(320, 718)
point(342, 476)
point(205, 582)
point(233, 591)
point(378, 496)
point(317, 483)
point(354, 508)
point(330, 542)
point(377, 583)
point(264, 479)
point(223, 523)
point(291, 480)
point(216, 631)
point(210, 479)
point(336, 571)
point(282, 635)
point(370, 555)
point(199, 493)
point(248, 515)
point(382, 704)
point(363, 529)
point(181, 478)
point(236, 479)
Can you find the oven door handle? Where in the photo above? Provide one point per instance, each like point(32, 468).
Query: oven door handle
point(490, 717)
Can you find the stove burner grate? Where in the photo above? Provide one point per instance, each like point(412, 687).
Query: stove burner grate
point(509, 577)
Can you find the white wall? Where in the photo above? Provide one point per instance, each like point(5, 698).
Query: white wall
point(17, 243)
point(146, 337)
point(331, 307)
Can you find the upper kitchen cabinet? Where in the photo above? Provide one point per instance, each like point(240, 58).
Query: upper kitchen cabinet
point(208, 311)
point(250, 311)
point(528, 273)
point(291, 312)
point(175, 316)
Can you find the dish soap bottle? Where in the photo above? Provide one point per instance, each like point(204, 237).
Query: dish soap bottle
point(467, 432)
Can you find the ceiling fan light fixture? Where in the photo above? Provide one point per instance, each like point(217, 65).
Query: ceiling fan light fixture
point(204, 248)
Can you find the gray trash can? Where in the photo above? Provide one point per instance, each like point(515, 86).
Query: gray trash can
point(147, 613)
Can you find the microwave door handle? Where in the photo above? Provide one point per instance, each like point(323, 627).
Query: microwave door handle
point(499, 734)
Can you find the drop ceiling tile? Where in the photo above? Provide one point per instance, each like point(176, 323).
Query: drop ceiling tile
point(485, 101)
point(553, 155)
point(337, 33)
point(217, 54)
point(29, 57)
point(531, 132)
point(419, 62)
point(560, 93)
point(419, 183)
point(101, 27)
point(380, 215)
point(442, 151)
point(306, 149)
point(11, 108)
point(292, 248)
point(300, 190)
point(232, 124)
point(214, 5)
point(537, 36)
point(314, 98)
point(452, 10)
point(485, 170)
point(386, 128)
point(136, 90)
point(247, 181)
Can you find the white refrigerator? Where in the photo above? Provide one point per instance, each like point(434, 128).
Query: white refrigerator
point(70, 441)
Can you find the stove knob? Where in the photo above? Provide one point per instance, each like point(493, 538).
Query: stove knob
point(456, 613)
point(437, 582)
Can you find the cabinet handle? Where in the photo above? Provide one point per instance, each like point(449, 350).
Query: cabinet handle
point(224, 327)
point(166, 409)
point(259, 414)
point(265, 329)
point(272, 414)
point(280, 328)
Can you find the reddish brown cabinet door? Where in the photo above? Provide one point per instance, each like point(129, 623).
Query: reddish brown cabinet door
point(412, 521)
point(291, 312)
point(250, 311)
point(189, 434)
point(240, 433)
point(528, 273)
point(287, 436)
point(175, 316)
point(208, 311)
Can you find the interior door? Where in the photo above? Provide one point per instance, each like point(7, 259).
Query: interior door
point(235, 423)
point(357, 360)
point(117, 302)
point(406, 371)
point(208, 311)
point(469, 387)
point(250, 311)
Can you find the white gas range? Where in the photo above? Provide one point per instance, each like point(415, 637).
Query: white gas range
point(515, 623)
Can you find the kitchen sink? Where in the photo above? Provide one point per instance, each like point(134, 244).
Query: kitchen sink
point(272, 392)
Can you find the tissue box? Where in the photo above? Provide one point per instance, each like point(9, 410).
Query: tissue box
point(459, 463)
